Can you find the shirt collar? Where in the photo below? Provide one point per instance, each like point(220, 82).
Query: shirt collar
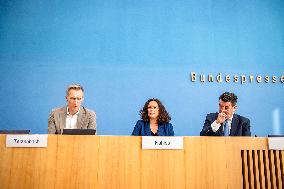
point(231, 118)
point(68, 113)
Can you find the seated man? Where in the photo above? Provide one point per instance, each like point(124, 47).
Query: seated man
point(72, 116)
point(226, 122)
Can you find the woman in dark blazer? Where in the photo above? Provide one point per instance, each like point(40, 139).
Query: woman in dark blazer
point(155, 120)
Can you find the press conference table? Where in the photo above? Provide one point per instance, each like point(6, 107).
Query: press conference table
point(119, 162)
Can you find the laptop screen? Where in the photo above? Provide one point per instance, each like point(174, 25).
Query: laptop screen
point(275, 135)
point(79, 132)
point(14, 131)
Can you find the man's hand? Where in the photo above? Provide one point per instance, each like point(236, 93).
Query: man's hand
point(222, 116)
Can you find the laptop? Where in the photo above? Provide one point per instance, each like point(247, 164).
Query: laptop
point(15, 131)
point(275, 135)
point(79, 132)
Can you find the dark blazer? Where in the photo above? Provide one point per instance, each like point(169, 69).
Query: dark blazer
point(240, 126)
point(143, 129)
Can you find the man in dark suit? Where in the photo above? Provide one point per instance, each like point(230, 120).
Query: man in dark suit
point(226, 122)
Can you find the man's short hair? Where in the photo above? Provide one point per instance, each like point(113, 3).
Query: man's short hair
point(229, 97)
point(74, 87)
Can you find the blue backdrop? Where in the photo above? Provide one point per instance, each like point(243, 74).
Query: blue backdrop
point(124, 52)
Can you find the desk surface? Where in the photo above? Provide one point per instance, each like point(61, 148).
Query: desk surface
point(119, 162)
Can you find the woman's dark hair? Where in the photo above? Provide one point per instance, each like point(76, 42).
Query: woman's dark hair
point(164, 116)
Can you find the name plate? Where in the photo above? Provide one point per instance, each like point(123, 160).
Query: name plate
point(26, 141)
point(169, 143)
point(276, 143)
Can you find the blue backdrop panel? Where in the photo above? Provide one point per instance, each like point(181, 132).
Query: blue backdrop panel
point(124, 52)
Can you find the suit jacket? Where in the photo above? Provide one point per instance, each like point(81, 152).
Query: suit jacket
point(240, 126)
point(143, 129)
point(57, 120)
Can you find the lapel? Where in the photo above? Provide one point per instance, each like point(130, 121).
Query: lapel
point(62, 118)
point(147, 129)
point(81, 118)
point(222, 129)
point(161, 128)
point(234, 126)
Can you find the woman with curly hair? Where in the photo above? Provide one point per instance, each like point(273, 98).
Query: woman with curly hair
point(155, 120)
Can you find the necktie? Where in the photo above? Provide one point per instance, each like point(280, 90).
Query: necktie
point(226, 128)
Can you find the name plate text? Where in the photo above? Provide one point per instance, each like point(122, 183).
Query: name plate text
point(276, 143)
point(26, 141)
point(170, 143)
